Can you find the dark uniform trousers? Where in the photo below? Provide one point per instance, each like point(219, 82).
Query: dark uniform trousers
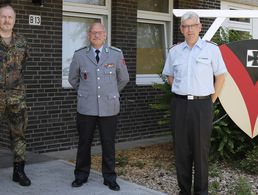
point(107, 126)
point(192, 126)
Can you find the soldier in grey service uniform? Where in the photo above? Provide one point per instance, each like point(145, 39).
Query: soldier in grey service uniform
point(98, 73)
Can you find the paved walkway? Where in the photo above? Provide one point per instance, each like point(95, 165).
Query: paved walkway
point(52, 176)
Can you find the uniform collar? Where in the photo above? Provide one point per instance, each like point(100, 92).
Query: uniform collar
point(100, 49)
point(199, 44)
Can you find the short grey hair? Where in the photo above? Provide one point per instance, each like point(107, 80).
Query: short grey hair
point(95, 24)
point(189, 15)
point(9, 6)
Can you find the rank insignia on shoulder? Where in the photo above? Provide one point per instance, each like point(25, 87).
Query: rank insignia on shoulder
point(173, 45)
point(86, 47)
point(115, 48)
point(211, 42)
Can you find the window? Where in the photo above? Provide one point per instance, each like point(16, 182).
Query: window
point(245, 20)
point(154, 35)
point(90, 2)
point(154, 5)
point(77, 16)
point(150, 47)
point(245, 26)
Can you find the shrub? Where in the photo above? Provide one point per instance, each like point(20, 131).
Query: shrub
point(250, 163)
point(163, 102)
point(243, 187)
point(228, 142)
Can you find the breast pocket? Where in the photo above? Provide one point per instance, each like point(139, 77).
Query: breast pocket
point(203, 60)
point(109, 71)
point(110, 74)
point(203, 65)
point(19, 56)
point(178, 69)
point(84, 74)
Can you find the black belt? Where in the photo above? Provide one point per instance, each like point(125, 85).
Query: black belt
point(192, 97)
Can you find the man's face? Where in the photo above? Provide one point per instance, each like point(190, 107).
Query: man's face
point(7, 19)
point(97, 36)
point(190, 29)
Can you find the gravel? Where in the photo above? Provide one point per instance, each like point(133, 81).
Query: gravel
point(153, 166)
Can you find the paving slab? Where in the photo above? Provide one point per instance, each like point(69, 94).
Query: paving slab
point(54, 177)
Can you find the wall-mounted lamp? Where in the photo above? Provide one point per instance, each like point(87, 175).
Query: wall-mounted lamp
point(39, 2)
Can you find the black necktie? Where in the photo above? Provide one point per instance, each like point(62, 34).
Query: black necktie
point(97, 56)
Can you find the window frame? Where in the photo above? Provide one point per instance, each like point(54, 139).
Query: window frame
point(165, 19)
point(81, 10)
point(250, 27)
point(149, 79)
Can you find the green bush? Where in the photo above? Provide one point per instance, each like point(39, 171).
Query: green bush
point(243, 187)
point(214, 188)
point(121, 161)
point(228, 142)
point(163, 101)
point(250, 163)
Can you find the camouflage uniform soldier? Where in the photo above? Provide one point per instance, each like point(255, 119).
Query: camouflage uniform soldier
point(13, 54)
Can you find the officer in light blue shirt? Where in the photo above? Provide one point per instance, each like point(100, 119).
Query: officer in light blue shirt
point(196, 71)
point(193, 68)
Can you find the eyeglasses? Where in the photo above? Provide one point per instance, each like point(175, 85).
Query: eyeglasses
point(97, 32)
point(192, 26)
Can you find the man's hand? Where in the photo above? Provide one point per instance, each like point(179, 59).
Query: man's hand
point(219, 82)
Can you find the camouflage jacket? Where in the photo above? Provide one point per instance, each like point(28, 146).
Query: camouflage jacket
point(12, 62)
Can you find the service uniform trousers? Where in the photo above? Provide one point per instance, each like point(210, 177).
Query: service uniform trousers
point(107, 126)
point(192, 126)
point(13, 109)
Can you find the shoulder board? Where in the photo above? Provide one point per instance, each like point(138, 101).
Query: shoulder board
point(115, 48)
point(174, 45)
point(212, 42)
point(87, 48)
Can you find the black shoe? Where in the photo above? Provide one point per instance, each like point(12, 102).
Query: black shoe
point(112, 185)
point(79, 182)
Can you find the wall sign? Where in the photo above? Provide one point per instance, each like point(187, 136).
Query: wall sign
point(239, 96)
point(35, 20)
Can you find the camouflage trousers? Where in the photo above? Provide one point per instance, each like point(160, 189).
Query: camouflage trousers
point(13, 110)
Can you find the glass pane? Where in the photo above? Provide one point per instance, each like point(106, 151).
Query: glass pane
point(150, 48)
point(74, 37)
point(154, 5)
point(245, 20)
point(91, 2)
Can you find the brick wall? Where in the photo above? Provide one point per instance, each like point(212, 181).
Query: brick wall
point(52, 109)
point(137, 120)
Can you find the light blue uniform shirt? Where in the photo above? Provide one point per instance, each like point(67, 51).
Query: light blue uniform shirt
point(193, 68)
